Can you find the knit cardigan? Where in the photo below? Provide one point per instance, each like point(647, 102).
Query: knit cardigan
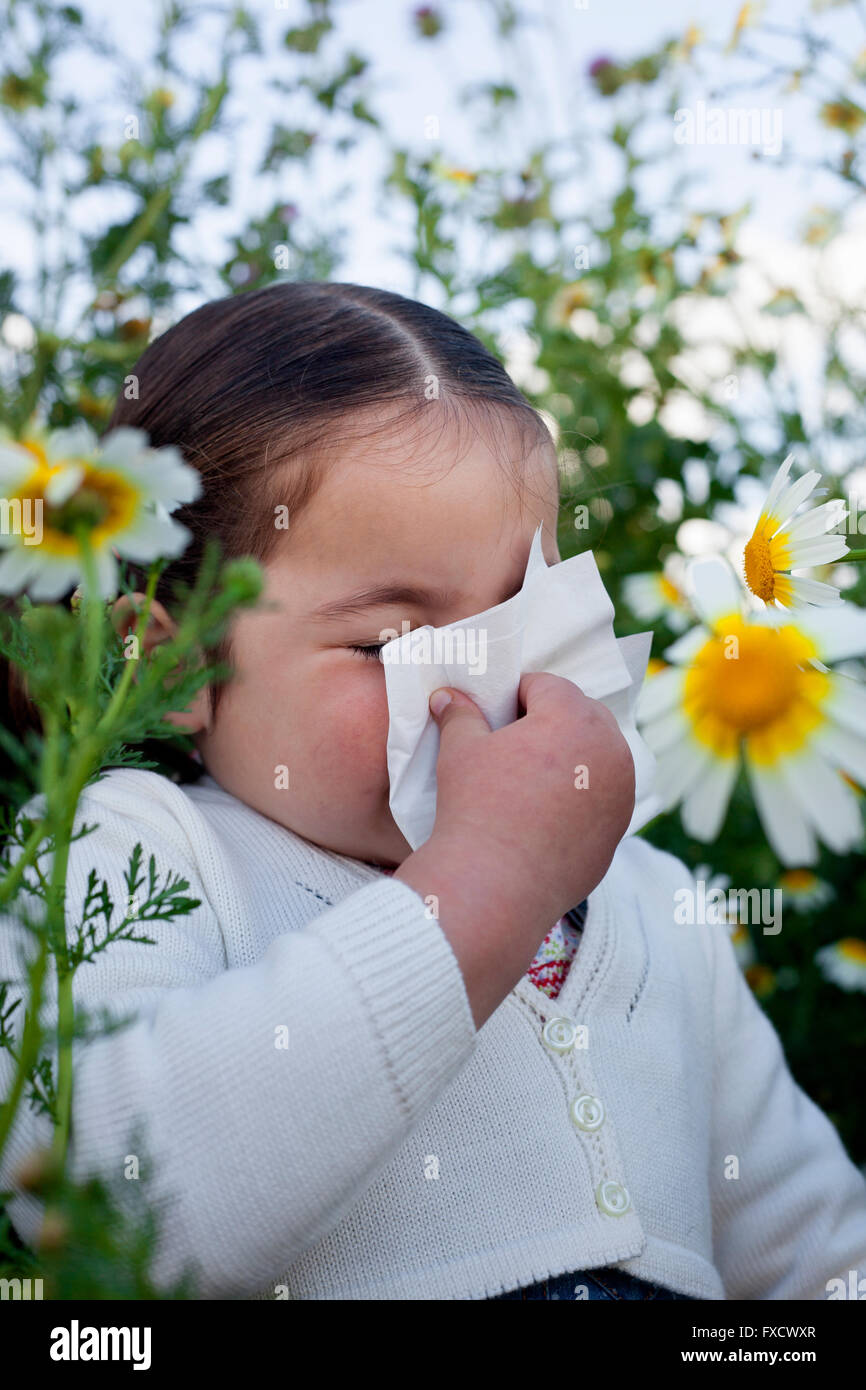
point(325, 1121)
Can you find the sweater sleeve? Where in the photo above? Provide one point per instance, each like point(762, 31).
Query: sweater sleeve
point(269, 1097)
point(795, 1216)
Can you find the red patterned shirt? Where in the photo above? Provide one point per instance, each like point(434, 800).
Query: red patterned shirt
point(553, 958)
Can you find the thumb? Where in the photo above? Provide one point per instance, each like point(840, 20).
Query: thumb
point(455, 711)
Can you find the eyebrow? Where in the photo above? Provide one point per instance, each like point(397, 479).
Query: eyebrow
point(382, 595)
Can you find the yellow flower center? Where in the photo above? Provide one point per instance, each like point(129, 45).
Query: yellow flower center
point(105, 502)
point(761, 978)
point(759, 567)
point(798, 880)
point(669, 590)
point(568, 299)
point(853, 949)
point(764, 558)
point(753, 683)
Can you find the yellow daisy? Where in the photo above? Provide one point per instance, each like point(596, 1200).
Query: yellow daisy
point(55, 481)
point(754, 692)
point(780, 544)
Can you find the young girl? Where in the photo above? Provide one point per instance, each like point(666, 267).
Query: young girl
point(367, 1073)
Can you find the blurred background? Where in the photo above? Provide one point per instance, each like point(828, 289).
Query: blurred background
point(681, 293)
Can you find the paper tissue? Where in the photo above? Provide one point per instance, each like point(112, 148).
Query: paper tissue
point(561, 621)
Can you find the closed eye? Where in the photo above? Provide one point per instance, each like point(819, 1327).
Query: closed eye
point(371, 652)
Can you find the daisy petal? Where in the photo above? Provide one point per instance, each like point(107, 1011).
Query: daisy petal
point(53, 580)
point(704, 809)
point(791, 497)
point(16, 465)
point(844, 750)
point(686, 647)
point(838, 632)
point(779, 483)
point(76, 441)
point(820, 551)
point(152, 535)
point(786, 828)
point(15, 568)
point(795, 591)
point(123, 446)
point(714, 589)
point(847, 704)
point(660, 694)
point(824, 800)
point(816, 522)
point(676, 776)
point(666, 730)
point(61, 485)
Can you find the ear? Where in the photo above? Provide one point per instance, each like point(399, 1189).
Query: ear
point(159, 628)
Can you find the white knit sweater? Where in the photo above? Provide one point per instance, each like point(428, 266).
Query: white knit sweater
point(390, 1150)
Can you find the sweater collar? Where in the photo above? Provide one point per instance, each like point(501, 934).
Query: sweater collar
point(355, 870)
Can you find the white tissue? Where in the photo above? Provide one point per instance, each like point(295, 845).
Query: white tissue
point(560, 621)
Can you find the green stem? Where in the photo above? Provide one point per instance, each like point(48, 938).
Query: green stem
point(108, 719)
point(160, 200)
point(30, 1042)
point(140, 229)
point(92, 608)
point(31, 387)
point(65, 1000)
point(9, 885)
point(69, 791)
point(854, 555)
point(48, 777)
point(32, 1034)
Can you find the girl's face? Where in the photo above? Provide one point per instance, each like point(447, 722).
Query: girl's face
point(302, 698)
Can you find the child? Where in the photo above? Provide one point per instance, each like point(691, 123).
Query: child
point(357, 1074)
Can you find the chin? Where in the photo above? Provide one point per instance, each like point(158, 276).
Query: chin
point(390, 853)
point(384, 846)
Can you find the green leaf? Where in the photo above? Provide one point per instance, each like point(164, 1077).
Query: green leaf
point(307, 38)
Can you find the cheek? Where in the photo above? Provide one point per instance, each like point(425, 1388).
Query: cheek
point(351, 718)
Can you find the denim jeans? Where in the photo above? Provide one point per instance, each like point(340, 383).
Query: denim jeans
point(606, 1283)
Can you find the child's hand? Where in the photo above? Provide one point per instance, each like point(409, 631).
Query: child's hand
point(527, 821)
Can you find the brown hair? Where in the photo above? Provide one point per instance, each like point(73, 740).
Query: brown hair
point(246, 383)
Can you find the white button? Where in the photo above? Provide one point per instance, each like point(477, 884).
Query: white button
point(559, 1034)
point(587, 1112)
point(612, 1198)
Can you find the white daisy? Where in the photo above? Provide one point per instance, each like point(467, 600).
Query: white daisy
point(780, 544)
point(651, 596)
point(804, 890)
point(844, 962)
point(121, 490)
point(756, 692)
